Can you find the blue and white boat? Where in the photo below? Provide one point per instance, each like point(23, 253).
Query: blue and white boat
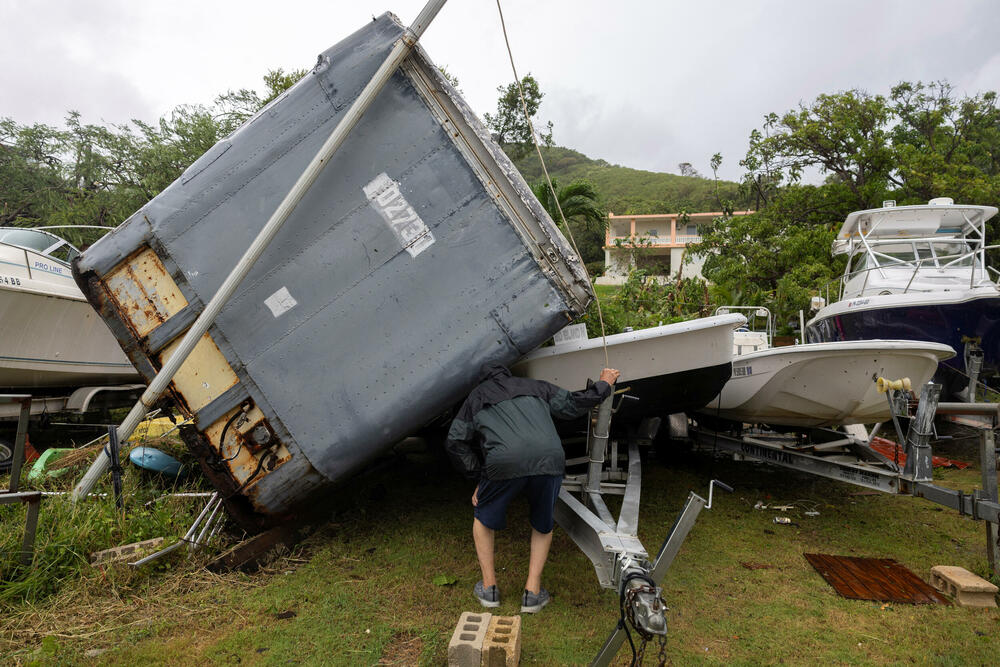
point(919, 273)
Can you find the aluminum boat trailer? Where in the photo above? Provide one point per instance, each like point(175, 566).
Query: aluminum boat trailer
point(621, 562)
point(848, 456)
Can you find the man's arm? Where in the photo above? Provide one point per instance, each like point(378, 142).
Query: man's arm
point(567, 405)
point(460, 446)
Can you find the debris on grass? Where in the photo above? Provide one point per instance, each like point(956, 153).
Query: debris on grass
point(756, 566)
point(444, 580)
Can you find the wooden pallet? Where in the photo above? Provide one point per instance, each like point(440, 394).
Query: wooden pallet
point(881, 579)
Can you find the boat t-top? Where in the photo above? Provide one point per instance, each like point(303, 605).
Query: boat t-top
point(918, 273)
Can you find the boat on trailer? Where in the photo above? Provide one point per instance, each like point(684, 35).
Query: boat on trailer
point(816, 384)
point(50, 337)
point(670, 368)
point(919, 273)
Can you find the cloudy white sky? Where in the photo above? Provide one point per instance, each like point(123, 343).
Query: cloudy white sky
point(646, 84)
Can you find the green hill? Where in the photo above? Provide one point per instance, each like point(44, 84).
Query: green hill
point(625, 190)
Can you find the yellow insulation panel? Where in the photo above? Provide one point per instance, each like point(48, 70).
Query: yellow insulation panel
point(205, 374)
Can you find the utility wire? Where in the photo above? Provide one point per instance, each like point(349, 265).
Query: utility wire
point(548, 179)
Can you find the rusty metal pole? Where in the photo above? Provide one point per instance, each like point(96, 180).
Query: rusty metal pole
point(988, 462)
point(162, 380)
point(22, 433)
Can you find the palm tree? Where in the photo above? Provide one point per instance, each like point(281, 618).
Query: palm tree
point(586, 218)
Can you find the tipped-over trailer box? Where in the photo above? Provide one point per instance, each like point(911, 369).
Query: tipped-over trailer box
point(417, 255)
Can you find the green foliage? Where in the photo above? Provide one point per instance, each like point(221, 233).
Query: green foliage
point(580, 205)
point(68, 532)
point(644, 301)
point(944, 146)
point(509, 126)
point(918, 143)
point(625, 190)
point(235, 107)
point(778, 257)
point(89, 174)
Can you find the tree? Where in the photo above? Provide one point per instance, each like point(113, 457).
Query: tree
point(845, 135)
point(233, 108)
point(580, 204)
point(449, 77)
point(687, 169)
point(90, 174)
point(945, 146)
point(509, 126)
point(921, 141)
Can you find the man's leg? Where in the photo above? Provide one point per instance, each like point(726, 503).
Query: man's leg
point(540, 543)
point(483, 537)
point(543, 491)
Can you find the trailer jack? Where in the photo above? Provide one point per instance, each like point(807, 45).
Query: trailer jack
point(620, 561)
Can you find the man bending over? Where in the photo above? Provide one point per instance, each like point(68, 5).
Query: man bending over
point(504, 437)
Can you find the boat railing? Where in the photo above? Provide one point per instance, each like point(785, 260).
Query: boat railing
point(952, 260)
point(753, 312)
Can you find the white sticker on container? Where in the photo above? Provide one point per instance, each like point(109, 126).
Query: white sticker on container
point(385, 197)
point(280, 302)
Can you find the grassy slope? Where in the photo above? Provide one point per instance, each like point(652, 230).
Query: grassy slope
point(361, 588)
point(627, 190)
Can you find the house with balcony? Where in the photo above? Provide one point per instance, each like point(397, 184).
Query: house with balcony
point(657, 243)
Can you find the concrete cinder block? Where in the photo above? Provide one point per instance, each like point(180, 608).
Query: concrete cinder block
point(502, 645)
point(124, 551)
point(969, 590)
point(466, 646)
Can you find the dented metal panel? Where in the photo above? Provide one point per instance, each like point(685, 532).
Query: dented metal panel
point(144, 292)
point(418, 255)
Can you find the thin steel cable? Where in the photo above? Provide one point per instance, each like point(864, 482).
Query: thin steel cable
point(548, 179)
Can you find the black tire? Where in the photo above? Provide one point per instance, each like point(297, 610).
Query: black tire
point(6, 456)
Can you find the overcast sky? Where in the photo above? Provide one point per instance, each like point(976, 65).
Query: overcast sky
point(642, 84)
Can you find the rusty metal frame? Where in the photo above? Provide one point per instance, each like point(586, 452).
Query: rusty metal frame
point(33, 499)
point(873, 471)
point(22, 431)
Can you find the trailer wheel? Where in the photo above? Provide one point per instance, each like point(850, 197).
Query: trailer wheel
point(6, 455)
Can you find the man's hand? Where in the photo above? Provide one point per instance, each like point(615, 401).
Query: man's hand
point(475, 499)
point(609, 375)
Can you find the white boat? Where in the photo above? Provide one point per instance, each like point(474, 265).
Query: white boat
point(50, 337)
point(669, 368)
point(918, 273)
point(818, 384)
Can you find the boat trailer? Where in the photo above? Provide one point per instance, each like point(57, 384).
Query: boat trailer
point(849, 457)
point(621, 562)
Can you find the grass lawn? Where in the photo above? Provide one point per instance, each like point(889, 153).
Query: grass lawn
point(360, 590)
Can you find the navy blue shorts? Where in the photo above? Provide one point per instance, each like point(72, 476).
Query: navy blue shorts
point(495, 494)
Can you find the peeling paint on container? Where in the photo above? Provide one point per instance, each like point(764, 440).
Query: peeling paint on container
point(418, 255)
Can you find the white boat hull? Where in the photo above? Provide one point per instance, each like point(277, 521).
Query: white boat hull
point(670, 368)
point(54, 341)
point(822, 384)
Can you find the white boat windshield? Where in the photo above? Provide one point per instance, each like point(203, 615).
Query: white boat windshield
point(940, 254)
point(39, 241)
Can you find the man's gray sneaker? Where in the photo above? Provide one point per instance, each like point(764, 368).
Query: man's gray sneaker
point(533, 602)
point(488, 597)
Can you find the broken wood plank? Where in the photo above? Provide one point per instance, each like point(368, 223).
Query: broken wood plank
point(248, 553)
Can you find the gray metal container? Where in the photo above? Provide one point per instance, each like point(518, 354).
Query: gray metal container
point(418, 255)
